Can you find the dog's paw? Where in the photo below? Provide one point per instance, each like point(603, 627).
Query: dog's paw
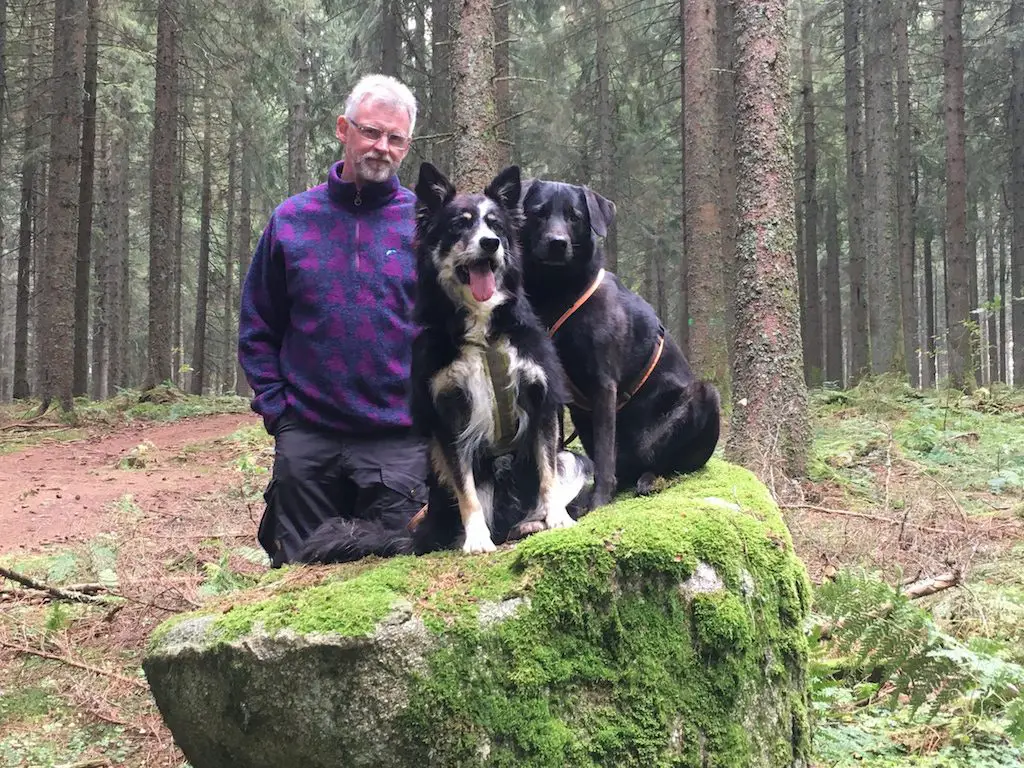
point(557, 517)
point(478, 541)
point(647, 484)
point(526, 528)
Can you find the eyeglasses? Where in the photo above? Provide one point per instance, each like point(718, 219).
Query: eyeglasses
point(396, 140)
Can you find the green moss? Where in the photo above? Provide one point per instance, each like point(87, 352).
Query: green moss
point(610, 649)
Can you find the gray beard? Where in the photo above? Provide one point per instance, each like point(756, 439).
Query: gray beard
point(375, 172)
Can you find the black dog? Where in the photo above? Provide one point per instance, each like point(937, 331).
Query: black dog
point(487, 387)
point(638, 408)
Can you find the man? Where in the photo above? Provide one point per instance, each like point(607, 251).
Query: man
point(326, 332)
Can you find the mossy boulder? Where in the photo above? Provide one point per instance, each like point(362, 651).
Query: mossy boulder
point(663, 631)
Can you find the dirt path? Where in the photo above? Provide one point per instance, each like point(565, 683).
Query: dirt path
point(61, 491)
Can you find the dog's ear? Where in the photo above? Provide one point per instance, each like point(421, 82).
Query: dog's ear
point(601, 210)
point(505, 189)
point(524, 189)
point(433, 189)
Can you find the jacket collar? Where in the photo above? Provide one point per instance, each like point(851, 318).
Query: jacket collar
point(371, 195)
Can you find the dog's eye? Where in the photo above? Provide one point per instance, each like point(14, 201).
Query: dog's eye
point(575, 215)
point(493, 222)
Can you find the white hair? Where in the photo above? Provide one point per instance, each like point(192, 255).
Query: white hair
point(382, 88)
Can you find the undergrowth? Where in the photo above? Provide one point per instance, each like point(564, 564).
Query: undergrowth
point(931, 682)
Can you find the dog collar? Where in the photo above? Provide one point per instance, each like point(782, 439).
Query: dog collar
point(579, 302)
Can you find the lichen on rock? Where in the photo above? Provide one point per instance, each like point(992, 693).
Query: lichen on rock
point(658, 631)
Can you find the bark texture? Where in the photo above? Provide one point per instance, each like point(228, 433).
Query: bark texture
point(769, 430)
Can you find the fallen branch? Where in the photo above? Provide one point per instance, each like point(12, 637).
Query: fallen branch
point(27, 426)
point(54, 592)
point(931, 585)
point(74, 663)
point(868, 516)
point(914, 591)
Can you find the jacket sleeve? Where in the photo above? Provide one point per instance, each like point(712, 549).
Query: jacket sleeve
point(263, 316)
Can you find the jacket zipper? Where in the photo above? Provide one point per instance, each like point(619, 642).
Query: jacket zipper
point(358, 201)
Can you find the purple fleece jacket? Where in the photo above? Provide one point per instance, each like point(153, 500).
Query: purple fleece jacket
point(325, 324)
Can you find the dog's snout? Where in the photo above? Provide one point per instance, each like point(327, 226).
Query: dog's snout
point(489, 244)
point(558, 245)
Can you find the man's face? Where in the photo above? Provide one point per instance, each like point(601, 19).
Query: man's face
point(376, 141)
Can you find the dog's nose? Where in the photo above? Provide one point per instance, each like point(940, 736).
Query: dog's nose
point(489, 244)
point(557, 246)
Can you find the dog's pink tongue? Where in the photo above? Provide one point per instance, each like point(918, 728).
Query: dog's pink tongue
point(481, 283)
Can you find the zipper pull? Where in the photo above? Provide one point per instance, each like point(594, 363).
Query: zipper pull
point(359, 198)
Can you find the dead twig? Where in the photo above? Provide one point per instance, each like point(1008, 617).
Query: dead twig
point(54, 592)
point(868, 516)
point(74, 663)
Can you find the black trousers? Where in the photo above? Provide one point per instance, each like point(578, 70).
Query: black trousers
point(319, 475)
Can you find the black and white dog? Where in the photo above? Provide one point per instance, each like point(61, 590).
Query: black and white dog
point(487, 387)
point(638, 408)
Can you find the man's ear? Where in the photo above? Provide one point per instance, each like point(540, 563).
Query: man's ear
point(505, 188)
point(601, 210)
point(433, 189)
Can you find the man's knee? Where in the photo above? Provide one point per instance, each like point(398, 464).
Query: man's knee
point(392, 481)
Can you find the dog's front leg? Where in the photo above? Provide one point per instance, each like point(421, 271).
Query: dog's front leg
point(604, 413)
point(474, 520)
point(456, 471)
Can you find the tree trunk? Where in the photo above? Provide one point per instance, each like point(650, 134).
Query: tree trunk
point(1003, 299)
point(991, 311)
point(227, 359)
point(180, 163)
point(442, 120)
point(709, 355)
point(20, 388)
point(958, 346)
point(769, 429)
point(833, 300)
point(298, 176)
point(57, 293)
point(80, 383)
point(684, 256)
point(161, 213)
point(929, 375)
point(854, 111)
point(100, 355)
point(3, 116)
point(115, 278)
point(203, 276)
point(1016, 123)
point(813, 367)
point(726, 87)
point(390, 38)
point(607, 173)
point(884, 310)
point(476, 146)
point(905, 10)
point(244, 241)
point(502, 91)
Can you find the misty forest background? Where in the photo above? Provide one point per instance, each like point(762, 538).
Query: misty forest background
point(143, 146)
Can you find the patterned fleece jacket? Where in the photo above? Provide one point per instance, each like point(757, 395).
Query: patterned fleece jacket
point(325, 324)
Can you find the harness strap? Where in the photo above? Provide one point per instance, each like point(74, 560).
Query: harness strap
point(579, 302)
point(506, 427)
point(582, 402)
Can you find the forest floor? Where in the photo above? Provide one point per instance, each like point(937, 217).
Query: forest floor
point(152, 509)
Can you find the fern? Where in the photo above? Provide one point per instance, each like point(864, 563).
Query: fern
point(885, 636)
